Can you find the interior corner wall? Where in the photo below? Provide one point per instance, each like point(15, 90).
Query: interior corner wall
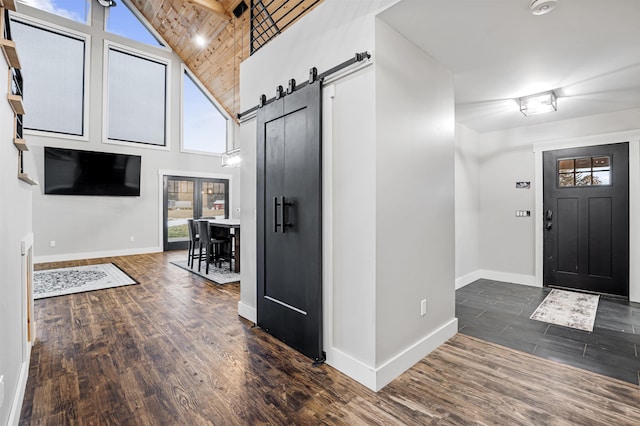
point(467, 192)
point(94, 226)
point(15, 225)
point(332, 33)
point(507, 243)
point(415, 254)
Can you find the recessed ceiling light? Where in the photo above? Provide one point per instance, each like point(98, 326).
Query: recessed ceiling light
point(540, 7)
point(200, 41)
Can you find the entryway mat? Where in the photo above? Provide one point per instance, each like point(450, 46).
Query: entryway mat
point(568, 309)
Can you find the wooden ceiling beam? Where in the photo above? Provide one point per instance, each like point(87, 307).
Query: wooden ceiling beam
point(214, 6)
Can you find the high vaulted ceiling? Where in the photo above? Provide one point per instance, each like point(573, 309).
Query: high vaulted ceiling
point(227, 39)
point(588, 51)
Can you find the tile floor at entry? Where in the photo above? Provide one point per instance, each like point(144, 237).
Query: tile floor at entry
point(499, 312)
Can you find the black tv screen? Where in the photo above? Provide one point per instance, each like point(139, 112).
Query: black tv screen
point(76, 172)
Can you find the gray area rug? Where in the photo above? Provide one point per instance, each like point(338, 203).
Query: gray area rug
point(78, 279)
point(217, 275)
point(569, 309)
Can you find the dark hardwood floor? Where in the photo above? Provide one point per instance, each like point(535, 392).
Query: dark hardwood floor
point(172, 350)
point(499, 312)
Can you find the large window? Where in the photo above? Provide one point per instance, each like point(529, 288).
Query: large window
point(123, 21)
point(53, 63)
point(76, 10)
point(204, 128)
point(136, 95)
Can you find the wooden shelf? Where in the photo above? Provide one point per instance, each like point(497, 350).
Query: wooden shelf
point(21, 144)
point(8, 4)
point(25, 178)
point(10, 52)
point(16, 103)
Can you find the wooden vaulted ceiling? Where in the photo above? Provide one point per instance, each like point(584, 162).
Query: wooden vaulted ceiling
point(217, 63)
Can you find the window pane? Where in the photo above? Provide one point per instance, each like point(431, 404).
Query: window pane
point(77, 10)
point(602, 178)
point(136, 99)
point(583, 179)
point(565, 166)
point(122, 21)
point(53, 65)
point(566, 179)
point(583, 164)
point(204, 128)
point(601, 163)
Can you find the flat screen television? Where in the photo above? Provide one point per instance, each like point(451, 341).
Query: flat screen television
point(76, 172)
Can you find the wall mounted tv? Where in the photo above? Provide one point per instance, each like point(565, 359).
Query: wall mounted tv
point(75, 172)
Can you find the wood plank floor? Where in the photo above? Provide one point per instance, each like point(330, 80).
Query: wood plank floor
point(173, 351)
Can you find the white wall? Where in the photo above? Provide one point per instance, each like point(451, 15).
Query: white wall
point(98, 226)
point(415, 254)
point(508, 246)
point(15, 224)
point(467, 189)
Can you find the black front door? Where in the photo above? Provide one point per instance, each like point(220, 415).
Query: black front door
point(586, 219)
point(289, 225)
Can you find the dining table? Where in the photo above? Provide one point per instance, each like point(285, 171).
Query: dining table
point(235, 225)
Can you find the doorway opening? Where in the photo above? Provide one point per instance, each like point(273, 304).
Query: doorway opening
point(191, 198)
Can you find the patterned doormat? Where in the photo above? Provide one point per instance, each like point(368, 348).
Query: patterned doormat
point(217, 275)
point(569, 309)
point(78, 279)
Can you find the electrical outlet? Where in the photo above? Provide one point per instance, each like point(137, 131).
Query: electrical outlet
point(423, 307)
point(52, 243)
point(131, 238)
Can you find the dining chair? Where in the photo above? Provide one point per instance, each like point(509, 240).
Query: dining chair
point(212, 246)
point(222, 233)
point(193, 242)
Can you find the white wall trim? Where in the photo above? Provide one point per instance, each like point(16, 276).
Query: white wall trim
point(328, 94)
point(468, 278)
point(633, 138)
point(18, 397)
point(377, 378)
point(509, 277)
point(95, 254)
point(247, 312)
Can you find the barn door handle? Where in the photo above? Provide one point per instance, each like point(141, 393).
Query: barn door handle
point(275, 214)
point(283, 205)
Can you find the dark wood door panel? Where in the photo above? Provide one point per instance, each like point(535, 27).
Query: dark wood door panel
point(586, 218)
point(289, 220)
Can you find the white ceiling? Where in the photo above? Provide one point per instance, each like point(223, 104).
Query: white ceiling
point(588, 51)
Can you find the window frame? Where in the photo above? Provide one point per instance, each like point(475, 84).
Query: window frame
point(164, 45)
point(229, 127)
point(48, 26)
point(111, 45)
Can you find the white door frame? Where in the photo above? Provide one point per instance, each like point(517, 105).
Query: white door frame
point(633, 137)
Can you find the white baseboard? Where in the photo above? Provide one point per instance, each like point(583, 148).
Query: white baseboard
point(377, 378)
point(18, 397)
point(95, 254)
point(468, 279)
point(509, 277)
point(247, 312)
point(523, 279)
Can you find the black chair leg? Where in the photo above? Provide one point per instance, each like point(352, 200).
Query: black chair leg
point(189, 257)
point(208, 254)
point(200, 257)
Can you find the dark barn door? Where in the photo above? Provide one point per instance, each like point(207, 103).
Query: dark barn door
point(586, 219)
point(289, 221)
